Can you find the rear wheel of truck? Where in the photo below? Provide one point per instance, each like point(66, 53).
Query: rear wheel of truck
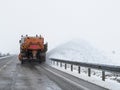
point(40, 61)
point(22, 62)
point(43, 58)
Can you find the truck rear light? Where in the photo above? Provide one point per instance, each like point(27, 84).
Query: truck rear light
point(34, 47)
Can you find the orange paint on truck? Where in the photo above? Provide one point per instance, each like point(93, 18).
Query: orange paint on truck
point(32, 47)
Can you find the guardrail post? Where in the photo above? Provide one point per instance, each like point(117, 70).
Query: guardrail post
point(53, 62)
point(60, 64)
point(71, 67)
point(89, 72)
point(103, 75)
point(79, 69)
point(57, 63)
point(65, 66)
point(50, 61)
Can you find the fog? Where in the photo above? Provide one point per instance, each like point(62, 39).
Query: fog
point(96, 21)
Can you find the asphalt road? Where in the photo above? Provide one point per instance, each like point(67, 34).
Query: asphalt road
point(34, 76)
point(14, 76)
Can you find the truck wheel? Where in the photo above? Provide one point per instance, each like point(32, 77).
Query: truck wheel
point(40, 61)
point(43, 59)
point(22, 62)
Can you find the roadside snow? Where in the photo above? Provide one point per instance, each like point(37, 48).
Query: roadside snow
point(109, 84)
point(5, 57)
point(82, 51)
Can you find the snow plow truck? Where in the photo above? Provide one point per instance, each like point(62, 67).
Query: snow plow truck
point(32, 48)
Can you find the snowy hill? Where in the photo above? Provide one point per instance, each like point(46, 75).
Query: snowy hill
point(81, 51)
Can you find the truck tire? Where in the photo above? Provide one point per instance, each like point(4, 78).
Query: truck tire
point(22, 62)
point(43, 58)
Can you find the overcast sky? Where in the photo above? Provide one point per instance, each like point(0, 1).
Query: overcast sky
point(97, 21)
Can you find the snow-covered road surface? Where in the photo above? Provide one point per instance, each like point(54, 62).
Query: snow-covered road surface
point(14, 76)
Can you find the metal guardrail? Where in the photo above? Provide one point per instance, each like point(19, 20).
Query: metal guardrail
point(102, 67)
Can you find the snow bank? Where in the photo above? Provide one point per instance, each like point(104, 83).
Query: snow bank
point(109, 84)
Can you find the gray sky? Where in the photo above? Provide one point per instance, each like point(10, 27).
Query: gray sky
point(97, 21)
